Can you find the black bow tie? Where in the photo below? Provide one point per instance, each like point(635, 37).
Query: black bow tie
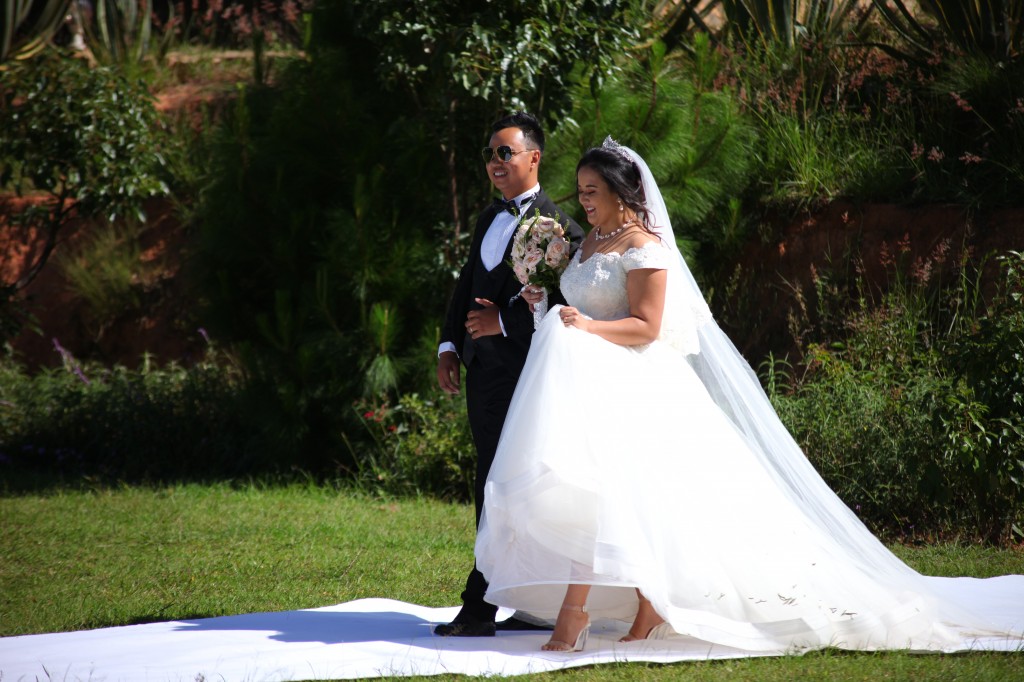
point(511, 206)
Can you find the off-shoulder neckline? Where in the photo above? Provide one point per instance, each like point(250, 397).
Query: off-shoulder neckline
point(620, 254)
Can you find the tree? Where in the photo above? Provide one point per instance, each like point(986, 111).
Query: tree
point(463, 63)
point(87, 139)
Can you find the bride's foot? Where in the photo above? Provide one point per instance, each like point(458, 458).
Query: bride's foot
point(573, 625)
point(647, 619)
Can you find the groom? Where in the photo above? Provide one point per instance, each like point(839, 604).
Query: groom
point(489, 328)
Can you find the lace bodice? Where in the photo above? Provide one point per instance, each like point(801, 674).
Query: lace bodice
point(597, 286)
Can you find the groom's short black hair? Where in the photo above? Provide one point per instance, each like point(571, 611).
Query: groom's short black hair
point(526, 122)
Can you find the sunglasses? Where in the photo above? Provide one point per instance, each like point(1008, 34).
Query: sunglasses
point(504, 152)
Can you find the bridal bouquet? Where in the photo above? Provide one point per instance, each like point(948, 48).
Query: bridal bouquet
point(540, 252)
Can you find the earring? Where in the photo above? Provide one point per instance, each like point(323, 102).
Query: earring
point(621, 207)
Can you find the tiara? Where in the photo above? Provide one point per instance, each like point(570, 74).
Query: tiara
point(616, 148)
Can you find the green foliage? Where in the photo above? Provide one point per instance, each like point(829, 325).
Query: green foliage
point(120, 424)
point(786, 23)
point(994, 28)
point(310, 264)
point(514, 54)
point(983, 418)
point(828, 156)
point(82, 134)
point(461, 65)
point(119, 31)
point(824, 133)
point(967, 133)
point(861, 421)
point(419, 446)
point(674, 22)
point(235, 23)
point(28, 26)
point(88, 139)
point(693, 138)
point(852, 121)
point(916, 417)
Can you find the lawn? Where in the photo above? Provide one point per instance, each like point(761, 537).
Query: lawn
point(75, 559)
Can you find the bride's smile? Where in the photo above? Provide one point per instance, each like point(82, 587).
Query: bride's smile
point(602, 206)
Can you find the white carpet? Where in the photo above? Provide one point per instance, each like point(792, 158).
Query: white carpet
point(364, 638)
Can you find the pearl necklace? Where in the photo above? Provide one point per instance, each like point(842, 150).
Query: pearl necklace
point(599, 237)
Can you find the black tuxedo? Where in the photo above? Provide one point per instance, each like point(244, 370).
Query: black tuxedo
point(493, 363)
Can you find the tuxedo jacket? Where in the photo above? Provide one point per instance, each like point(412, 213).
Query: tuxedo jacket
point(499, 286)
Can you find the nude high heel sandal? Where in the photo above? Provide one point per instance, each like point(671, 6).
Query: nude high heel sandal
point(581, 638)
point(656, 631)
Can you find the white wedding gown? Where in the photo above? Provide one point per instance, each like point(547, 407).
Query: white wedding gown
point(616, 469)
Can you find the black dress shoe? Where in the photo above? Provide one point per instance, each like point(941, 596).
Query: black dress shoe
point(466, 628)
point(513, 623)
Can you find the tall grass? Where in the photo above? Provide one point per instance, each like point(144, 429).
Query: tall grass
point(104, 270)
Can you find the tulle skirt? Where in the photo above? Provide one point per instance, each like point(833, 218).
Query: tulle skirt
point(616, 469)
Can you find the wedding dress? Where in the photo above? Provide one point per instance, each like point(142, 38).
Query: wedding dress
point(661, 467)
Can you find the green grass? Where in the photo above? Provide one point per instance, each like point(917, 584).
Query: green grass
point(75, 559)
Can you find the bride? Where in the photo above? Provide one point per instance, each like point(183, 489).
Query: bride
point(643, 475)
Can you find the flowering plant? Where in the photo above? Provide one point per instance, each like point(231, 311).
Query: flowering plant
point(540, 252)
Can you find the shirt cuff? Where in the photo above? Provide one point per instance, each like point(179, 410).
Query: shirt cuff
point(502, 325)
point(445, 347)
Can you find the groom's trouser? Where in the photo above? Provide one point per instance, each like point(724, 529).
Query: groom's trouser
point(488, 394)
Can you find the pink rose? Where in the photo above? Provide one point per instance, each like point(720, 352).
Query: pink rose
point(557, 250)
point(518, 249)
point(533, 257)
point(544, 227)
point(521, 274)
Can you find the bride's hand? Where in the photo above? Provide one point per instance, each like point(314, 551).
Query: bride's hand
point(571, 317)
point(533, 295)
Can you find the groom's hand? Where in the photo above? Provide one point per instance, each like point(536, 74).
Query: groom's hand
point(448, 372)
point(483, 322)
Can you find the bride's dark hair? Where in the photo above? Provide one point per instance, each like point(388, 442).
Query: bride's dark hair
point(623, 178)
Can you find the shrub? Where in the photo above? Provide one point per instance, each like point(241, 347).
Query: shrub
point(861, 420)
point(916, 416)
point(120, 424)
point(982, 418)
point(418, 446)
point(86, 136)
